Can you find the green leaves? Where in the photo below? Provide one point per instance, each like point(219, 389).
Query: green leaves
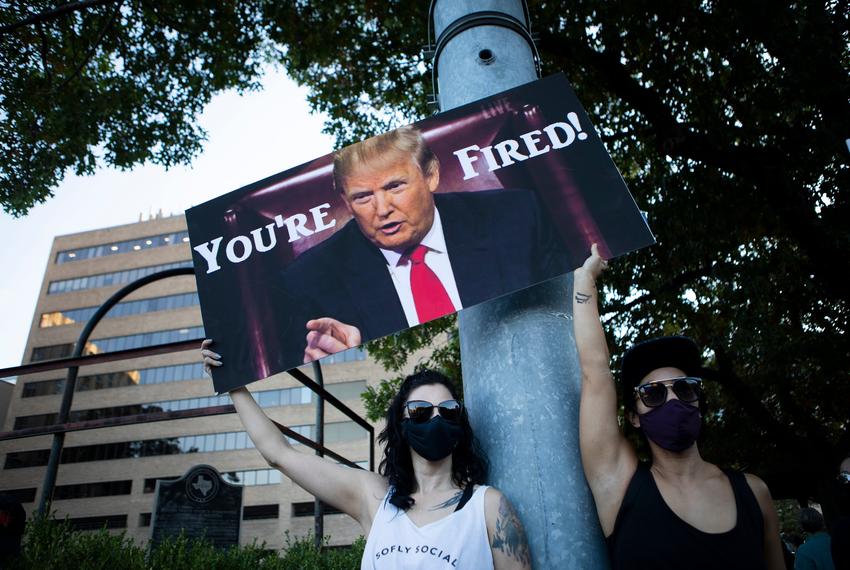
point(728, 121)
point(120, 84)
point(434, 345)
point(50, 543)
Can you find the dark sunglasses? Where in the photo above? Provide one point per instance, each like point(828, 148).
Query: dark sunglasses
point(419, 411)
point(654, 394)
point(844, 477)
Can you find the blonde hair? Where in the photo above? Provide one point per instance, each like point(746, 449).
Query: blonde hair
point(405, 140)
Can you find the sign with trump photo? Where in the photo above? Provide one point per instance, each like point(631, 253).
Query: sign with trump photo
point(406, 227)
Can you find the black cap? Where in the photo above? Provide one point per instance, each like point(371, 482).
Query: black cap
point(667, 351)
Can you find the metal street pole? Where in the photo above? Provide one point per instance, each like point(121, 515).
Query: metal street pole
point(520, 368)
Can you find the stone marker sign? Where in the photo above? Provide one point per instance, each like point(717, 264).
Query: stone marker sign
point(200, 503)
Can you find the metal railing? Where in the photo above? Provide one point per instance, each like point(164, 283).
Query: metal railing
point(77, 359)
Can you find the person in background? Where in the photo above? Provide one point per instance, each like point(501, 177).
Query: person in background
point(678, 510)
point(13, 520)
point(814, 553)
point(841, 528)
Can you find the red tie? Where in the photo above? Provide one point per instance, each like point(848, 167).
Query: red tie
point(429, 295)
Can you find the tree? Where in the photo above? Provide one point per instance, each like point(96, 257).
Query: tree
point(727, 119)
point(116, 82)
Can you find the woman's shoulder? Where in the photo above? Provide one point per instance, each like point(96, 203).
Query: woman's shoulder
point(759, 489)
point(497, 506)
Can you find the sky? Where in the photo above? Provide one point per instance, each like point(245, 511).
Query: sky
point(250, 137)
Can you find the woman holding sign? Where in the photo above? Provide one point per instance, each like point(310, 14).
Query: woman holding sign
point(677, 511)
point(428, 507)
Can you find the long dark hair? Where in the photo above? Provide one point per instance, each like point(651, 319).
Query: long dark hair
point(469, 465)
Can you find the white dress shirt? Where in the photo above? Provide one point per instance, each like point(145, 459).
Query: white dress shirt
point(437, 258)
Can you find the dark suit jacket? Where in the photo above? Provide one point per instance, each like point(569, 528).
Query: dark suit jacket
point(498, 241)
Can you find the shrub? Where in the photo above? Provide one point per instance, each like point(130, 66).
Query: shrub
point(51, 544)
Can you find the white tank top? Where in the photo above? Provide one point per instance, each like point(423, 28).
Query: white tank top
point(456, 541)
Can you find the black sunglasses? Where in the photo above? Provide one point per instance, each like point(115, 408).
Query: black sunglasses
point(654, 394)
point(844, 477)
point(419, 411)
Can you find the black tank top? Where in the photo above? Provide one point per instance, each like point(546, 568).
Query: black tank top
point(649, 535)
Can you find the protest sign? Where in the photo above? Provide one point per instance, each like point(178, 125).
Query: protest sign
point(459, 208)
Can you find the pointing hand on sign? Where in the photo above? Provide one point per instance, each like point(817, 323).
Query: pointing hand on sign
point(328, 336)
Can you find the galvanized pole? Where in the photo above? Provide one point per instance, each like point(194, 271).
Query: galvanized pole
point(520, 367)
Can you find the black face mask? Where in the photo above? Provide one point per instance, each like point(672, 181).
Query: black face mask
point(434, 439)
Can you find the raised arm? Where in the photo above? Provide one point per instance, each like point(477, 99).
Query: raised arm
point(356, 492)
point(609, 460)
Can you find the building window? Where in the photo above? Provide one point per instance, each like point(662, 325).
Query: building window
point(87, 490)
point(149, 485)
point(157, 375)
point(253, 477)
point(20, 459)
point(144, 519)
point(114, 248)
point(258, 512)
point(124, 309)
point(51, 352)
point(20, 495)
point(206, 443)
point(350, 355)
point(342, 431)
point(267, 398)
point(97, 523)
point(347, 390)
point(307, 509)
point(247, 478)
point(112, 344)
point(112, 278)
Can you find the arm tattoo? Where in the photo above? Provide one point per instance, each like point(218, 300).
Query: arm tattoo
point(449, 502)
point(582, 298)
point(510, 536)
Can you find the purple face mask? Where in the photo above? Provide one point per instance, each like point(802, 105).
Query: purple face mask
point(674, 425)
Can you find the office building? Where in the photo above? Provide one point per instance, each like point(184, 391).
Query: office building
point(107, 475)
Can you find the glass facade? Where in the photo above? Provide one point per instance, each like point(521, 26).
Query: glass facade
point(266, 399)
point(253, 477)
point(247, 478)
point(206, 443)
point(86, 490)
point(112, 278)
point(127, 308)
point(97, 523)
point(112, 344)
point(156, 375)
point(350, 355)
point(306, 509)
point(113, 248)
point(21, 495)
point(258, 512)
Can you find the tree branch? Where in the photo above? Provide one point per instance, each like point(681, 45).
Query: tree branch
point(57, 12)
point(750, 402)
point(44, 65)
point(668, 286)
point(761, 166)
point(101, 34)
